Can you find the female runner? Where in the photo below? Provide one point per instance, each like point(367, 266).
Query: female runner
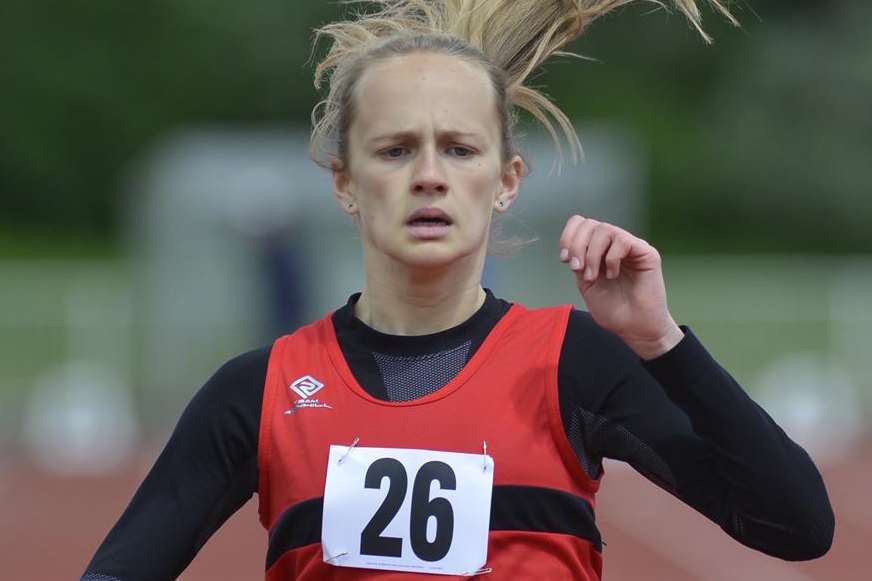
point(428, 426)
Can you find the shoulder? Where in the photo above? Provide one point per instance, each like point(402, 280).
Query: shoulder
point(581, 329)
point(239, 377)
point(588, 348)
point(245, 366)
point(582, 322)
point(584, 344)
point(229, 402)
point(582, 334)
point(593, 363)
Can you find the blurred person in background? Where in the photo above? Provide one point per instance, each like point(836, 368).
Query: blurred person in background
point(426, 377)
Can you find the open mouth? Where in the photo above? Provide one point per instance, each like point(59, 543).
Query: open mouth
point(429, 217)
point(429, 223)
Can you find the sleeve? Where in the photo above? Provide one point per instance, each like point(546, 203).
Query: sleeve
point(685, 424)
point(206, 472)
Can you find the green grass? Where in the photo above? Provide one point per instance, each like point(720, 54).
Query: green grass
point(29, 244)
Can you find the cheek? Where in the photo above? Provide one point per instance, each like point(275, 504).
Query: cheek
point(484, 185)
point(376, 209)
point(478, 205)
point(366, 183)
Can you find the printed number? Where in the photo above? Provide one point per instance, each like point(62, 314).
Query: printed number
point(439, 508)
point(371, 541)
point(423, 508)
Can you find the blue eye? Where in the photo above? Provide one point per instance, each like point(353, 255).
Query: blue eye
point(460, 151)
point(394, 152)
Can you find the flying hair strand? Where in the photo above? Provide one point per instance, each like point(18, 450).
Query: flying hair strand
point(510, 39)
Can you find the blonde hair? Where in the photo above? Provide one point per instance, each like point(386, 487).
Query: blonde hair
point(509, 39)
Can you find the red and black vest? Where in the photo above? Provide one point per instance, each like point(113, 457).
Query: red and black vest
point(542, 513)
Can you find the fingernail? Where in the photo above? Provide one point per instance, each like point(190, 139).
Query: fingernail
point(564, 254)
point(575, 264)
point(588, 273)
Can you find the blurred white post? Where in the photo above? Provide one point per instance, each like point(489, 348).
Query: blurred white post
point(79, 416)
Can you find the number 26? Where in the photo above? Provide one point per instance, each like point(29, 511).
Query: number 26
point(371, 540)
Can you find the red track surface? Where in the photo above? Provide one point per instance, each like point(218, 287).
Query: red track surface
point(50, 527)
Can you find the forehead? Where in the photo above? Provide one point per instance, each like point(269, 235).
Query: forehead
point(420, 90)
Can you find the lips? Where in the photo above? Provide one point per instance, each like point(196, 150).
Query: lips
point(429, 217)
point(429, 224)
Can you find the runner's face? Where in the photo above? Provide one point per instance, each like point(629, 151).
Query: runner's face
point(425, 137)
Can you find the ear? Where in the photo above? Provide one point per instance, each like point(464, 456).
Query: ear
point(513, 175)
point(342, 189)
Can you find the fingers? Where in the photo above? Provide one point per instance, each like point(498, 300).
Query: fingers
point(619, 250)
point(574, 240)
point(600, 242)
point(579, 243)
point(592, 248)
point(566, 236)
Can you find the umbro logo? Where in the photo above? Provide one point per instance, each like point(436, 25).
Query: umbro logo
point(305, 387)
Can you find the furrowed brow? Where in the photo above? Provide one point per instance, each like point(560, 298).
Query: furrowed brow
point(394, 136)
point(410, 135)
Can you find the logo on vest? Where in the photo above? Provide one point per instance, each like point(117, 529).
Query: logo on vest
point(305, 387)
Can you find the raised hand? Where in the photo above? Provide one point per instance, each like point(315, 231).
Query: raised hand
point(621, 280)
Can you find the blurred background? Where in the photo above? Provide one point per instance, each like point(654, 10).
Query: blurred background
point(159, 215)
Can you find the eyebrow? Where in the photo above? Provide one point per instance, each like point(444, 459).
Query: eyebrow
point(405, 135)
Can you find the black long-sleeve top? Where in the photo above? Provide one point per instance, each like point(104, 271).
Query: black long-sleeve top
point(680, 420)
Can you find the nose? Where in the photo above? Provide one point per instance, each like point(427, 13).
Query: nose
point(429, 176)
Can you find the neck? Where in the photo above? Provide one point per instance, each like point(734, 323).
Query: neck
point(422, 301)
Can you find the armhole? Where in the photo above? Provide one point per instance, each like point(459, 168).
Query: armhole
point(264, 439)
point(558, 431)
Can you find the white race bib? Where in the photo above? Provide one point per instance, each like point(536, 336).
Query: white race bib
point(407, 510)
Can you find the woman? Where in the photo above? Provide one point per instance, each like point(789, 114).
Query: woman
point(428, 426)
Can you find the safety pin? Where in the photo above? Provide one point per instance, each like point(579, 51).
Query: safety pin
point(484, 456)
point(482, 571)
point(347, 452)
point(334, 557)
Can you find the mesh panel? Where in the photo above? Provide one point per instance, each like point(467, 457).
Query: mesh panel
point(580, 426)
point(588, 431)
point(410, 377)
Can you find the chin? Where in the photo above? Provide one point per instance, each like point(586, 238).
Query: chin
point(432, 255)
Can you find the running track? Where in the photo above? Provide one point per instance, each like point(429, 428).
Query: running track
point(49, 527)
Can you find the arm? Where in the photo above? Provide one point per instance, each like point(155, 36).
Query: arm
point(206, 472)
point(686, 425)
point(690, 427)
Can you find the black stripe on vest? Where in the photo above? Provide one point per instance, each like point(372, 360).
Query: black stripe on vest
point(513, 508)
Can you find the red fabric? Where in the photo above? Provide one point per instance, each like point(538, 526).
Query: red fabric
point(505, 395)
point(513, 556)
